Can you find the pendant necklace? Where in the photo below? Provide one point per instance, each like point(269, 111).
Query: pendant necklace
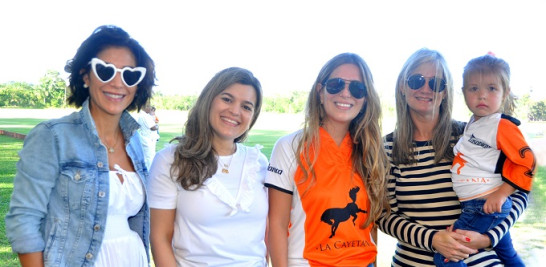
point(225, 167)
point(111, 149)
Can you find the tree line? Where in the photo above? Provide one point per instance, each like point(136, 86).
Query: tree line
point(51, 92)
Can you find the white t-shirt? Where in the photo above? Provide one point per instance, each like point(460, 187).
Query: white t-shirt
point(213, 226)
point(492, 151)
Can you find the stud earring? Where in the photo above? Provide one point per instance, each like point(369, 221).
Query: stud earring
point(85, 85)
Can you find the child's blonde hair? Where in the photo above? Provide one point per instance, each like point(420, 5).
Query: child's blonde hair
point(490, 64)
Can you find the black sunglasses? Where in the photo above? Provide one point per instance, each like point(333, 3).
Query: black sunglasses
point(417, 81)
point(336, 85)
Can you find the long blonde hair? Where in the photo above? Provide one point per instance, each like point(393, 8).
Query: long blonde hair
point(195, 159)
point(368, 157)
point(402, 151)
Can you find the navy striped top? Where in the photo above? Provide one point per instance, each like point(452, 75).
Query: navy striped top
point(423, 202)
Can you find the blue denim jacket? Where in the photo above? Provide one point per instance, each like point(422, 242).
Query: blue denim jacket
point(61, 190)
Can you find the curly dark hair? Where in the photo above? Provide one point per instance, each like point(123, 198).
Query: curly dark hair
point(104, 37)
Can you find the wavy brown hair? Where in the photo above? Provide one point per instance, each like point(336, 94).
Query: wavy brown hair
point(195, 159)
point(368, 156)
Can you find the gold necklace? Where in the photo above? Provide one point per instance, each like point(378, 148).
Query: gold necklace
point(225, 167)
point(111, 149)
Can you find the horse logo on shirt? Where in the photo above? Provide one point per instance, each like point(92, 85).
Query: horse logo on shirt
point(334, 216)
point(458, 160)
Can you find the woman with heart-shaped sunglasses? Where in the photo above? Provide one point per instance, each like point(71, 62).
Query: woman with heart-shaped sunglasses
point(79, 196)
point(424, 204)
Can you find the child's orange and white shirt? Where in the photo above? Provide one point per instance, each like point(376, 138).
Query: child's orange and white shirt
point(327, 215)
point(491, 151)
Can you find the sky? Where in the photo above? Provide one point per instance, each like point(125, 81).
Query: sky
point(283, 42)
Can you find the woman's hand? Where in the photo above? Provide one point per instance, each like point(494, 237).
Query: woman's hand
point(452, 245)
point(476, 240)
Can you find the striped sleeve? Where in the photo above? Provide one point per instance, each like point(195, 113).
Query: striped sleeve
point(423, 202)
point(401, 227)
point(519, 204)
point(421, 197)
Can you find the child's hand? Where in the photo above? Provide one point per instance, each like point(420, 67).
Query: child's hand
point(493, 203)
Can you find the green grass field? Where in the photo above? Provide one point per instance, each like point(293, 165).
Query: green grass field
point(266, 138)
point(8, 158)
point(529, 234)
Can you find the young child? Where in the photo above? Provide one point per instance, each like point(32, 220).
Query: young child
point(492, 158)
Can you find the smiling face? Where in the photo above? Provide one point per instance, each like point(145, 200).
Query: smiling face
point(423, 101)
point(113, 97)
point(341, 108)
point(231, 112)
point(483, 94)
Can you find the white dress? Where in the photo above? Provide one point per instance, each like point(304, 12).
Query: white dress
point(122, 246)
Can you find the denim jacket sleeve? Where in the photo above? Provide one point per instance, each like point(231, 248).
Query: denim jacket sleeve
point(37, 172)
point(61, 190)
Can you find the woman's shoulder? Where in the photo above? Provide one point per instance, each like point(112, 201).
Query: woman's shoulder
point(166, 154)
point(162, 162)
point(57, 126)
point(287, 144)
point(69, 118)
point(457, 127)
point(389, 137)
point(291, 138)
point(254, 152)
point(255, 147)
point(168, 149)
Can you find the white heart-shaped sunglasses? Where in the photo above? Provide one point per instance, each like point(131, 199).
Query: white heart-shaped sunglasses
point(106, 72)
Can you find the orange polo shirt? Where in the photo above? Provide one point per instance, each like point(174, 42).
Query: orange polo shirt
point(326, 219)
